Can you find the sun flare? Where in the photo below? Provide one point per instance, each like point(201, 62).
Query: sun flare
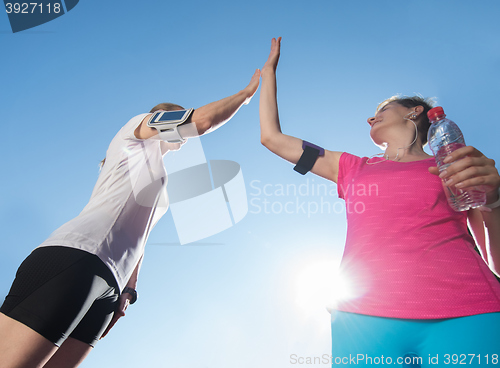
point(319, 285)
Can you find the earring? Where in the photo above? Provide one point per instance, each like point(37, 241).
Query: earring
point(412, 116)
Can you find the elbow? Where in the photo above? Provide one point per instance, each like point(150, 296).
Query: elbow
point(265, 141)
point(270, 141)
point(203, 126)
point(202, 121)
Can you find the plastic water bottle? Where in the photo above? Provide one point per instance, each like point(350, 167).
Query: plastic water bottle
point(444, 137)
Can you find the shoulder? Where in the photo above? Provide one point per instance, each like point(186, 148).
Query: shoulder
point(137, 129)
point(125, 141)
point(349, 160)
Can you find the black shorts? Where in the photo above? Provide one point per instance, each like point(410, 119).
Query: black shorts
point(61, 292)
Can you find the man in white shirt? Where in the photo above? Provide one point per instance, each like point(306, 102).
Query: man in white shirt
point(56, 310)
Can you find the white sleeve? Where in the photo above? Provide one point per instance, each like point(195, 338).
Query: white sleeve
point(128, 133)
point(128, 130)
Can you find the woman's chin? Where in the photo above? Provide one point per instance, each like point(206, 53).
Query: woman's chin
point(379, 143)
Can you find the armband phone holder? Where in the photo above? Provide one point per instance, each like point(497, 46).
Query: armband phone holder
point(309, 157)
point(167, 123)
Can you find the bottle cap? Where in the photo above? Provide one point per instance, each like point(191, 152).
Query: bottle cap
point(436, 113)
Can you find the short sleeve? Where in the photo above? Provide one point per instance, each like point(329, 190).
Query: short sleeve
point(347, 162)
point(128, 133)
point(128, 130)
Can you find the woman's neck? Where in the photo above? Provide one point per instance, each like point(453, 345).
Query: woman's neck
point(399, 153)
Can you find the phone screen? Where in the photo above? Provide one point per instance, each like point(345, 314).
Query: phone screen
point(171, 115)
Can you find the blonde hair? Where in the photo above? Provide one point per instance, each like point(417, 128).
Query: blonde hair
point(167, 106)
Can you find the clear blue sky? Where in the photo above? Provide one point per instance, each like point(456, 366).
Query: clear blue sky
point(255, 294)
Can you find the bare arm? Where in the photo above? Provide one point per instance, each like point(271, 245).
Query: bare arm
point(208, 117)
point(285, 146)
point(485, 226)
point(132, 281)
point(471, 168)
point(125, 298)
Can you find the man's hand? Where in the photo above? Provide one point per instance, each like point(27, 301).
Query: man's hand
point(470, 168)
point(123, 303)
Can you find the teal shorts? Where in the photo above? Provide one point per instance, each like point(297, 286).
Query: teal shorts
point(369, 341)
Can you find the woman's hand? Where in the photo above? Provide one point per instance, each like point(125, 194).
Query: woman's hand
point(123, 303)
point(274, 56)
point(470, 168)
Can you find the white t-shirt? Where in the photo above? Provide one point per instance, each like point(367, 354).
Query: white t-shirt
point(127, 201)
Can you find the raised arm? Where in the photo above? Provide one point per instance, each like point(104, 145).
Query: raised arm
point(285, 146)
point(208, 117)
point(212, 116)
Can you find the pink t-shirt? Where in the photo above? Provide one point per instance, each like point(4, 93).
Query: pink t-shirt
point(408, 254)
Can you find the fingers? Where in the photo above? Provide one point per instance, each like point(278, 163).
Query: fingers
point(252, 86)
point(470, 177)
point(111, 324)
point(470, 168)
point(480, 165)
point(123, 303)
point(119, 313)
point(434, 170)
point(461, 153)
point(255, 76)
point(274, 55)
point(275, 47)
point(276, 44)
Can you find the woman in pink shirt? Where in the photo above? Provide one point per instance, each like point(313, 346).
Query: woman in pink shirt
point(423, 295)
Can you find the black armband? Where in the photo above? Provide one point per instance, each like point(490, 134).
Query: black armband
point(309, 157)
